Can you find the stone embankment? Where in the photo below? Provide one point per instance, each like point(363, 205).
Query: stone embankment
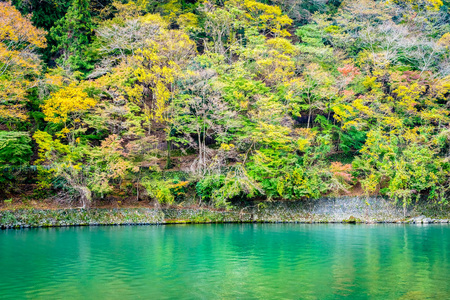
point(327, 210)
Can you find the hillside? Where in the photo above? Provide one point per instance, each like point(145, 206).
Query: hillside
point(219, 102)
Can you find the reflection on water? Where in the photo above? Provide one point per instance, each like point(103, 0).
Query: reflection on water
point(284, 261)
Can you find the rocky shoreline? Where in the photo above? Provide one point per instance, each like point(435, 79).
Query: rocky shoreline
point(326, 210)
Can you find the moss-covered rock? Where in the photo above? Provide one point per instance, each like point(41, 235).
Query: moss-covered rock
point(352, 220)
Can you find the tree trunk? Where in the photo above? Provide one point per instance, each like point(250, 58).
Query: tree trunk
point(85, 194)
point(309, 116)
point(168, 163)
point(199, 149)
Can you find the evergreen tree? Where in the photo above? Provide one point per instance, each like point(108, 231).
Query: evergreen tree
point(44, 15)
point(72, 35)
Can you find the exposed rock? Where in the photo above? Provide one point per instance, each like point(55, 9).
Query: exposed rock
point(327, 210)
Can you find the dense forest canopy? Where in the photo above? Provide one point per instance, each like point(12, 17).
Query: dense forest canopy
point(218, 101)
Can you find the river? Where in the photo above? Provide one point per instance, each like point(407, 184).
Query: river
point(245, 261)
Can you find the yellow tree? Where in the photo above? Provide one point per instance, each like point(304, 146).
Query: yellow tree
point(429, 4)
point(160, 63)
point(65, 107)
point(86, 168)
point(19, 64)
point(238, 20)
point(312, 92)
point(269, 19)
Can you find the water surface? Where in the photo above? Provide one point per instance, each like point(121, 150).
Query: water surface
point(245, 261)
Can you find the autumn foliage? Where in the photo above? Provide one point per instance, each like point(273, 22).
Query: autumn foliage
point(19, 64)
point(218, 101)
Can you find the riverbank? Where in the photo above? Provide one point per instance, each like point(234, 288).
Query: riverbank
point(327, 210)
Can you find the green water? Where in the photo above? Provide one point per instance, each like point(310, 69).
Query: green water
point(263, 261)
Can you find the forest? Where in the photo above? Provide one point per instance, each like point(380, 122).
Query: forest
point(184, 102)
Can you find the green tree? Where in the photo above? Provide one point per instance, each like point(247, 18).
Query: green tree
point(72, 35)
point(15, 148)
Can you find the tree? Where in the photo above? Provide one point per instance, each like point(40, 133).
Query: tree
point(15, 152)
point(238, 20)
point(218, 26)
point(65, 107)
point(301, 10)
point(159, 64)
point(72, 35)
point(199, 113)
point(418, 4)
point(15, 148)
point(311, 92)
point(123, 38)
point(19, 64)
point(44, 14)
point(85, 169)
